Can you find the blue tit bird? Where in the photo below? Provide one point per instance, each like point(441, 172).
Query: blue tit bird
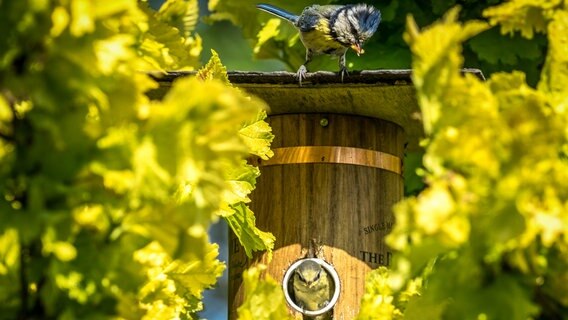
point(331, 29)
point(312, 287)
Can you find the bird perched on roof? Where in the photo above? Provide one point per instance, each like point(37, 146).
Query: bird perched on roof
point(331, 29)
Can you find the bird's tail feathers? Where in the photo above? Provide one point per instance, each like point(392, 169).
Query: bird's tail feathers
point(278, 12)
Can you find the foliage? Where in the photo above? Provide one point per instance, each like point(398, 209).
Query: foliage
point(256, 135)
point(106, 195)
point(168, 41)
point(489, 236)
point(272, 38)
point(264, 298)
point(379, 301)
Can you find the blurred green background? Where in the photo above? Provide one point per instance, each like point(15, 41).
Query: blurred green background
point(234, 50)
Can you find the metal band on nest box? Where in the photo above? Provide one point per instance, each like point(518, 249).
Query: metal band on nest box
point(331, 154)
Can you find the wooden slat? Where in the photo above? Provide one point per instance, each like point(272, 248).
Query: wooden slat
point(333, 154)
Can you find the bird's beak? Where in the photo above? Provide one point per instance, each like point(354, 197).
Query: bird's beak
point(357, 48)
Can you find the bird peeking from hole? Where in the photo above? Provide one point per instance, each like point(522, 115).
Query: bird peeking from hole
point(312, 287)
point(331, 29)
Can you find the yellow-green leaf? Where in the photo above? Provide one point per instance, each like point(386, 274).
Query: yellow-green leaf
point(263, 297)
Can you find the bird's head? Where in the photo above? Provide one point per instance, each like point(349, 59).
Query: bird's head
point(309, 272)
point(355, 24)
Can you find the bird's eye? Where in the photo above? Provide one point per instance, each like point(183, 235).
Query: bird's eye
point(300, 275)
point(317, 276)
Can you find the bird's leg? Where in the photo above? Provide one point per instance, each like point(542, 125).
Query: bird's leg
point(342, 68)
point(301, 74)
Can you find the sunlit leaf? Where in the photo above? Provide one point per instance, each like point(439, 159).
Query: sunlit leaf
point(242, 222)
point(214, 69)
point(263, 299)
point(182, 14)
point(257, 135)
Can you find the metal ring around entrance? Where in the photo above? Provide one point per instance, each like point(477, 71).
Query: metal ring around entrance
point(330, 271)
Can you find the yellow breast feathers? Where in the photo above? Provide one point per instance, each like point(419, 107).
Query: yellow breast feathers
point(319, 40)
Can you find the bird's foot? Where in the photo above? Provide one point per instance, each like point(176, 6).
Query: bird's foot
point(301, 73)
point(343, 72)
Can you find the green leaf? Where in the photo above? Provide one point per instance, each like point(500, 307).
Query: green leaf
point(195, 276)
point(263, 299)
point(242, 222)
point(440, 64)
point(257, 135)
point(525, 16)
point(242, 181)
point(9, 267)
point(378, 301)
point(182, 14)
point(555, 74)
point(214, 69)
point(168, 44)
point(270, 30)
